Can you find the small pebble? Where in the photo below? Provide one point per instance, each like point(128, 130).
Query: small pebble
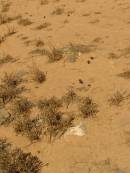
point(88, 62)
point(81, 81)
point(91, 57)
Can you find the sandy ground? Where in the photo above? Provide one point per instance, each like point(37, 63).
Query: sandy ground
point(103, 24)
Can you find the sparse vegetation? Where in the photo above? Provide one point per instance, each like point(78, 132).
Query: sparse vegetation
point(44, 2)
point(6, 58)
point(43, 26)
point(11, 79)
point(117, 98)
point(16, 161)
point(88, 108)
point(54, 125)
point(58, 11)
point(38, 75)
point(8, 87)
point(70, 97)
point(8, 93)
point(32, 128)
point(22, 106)
point(52, 104)
point(2, 39)
point(24, 22)
point(125, 74)
point(54, 54)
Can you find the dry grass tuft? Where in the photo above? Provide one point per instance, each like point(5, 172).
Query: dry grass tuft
point(9, 87)
point(70, 97)
point(11, 79)
point(6, 59)
point(8, 93)
point(58, 11)
point(44, 2)
point(16, 161)
point(32, 128)
point(125, 74)
point(117, 98)
point(54, 124)
point(22, 106)
point(24, 22)
point(38, 75)
point(88, 108)
point(54, 54)
point(43, 26)
point(52, 104)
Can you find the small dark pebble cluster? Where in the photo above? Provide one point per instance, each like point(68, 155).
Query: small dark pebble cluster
point(89, 61)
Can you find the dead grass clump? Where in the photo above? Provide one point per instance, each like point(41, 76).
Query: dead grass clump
point(8, 87)
point(53, 54)
point(51, 104)
point(88, 108)
point(6, 59)
point(125, 74)
point(11, 79)
point(76, 48)
point(24, 22)
point(117, 98)
point(5, 5)
point(58, 11)
point(43, 26)
point(70, 97)
point(3, 19)
point(54, 122)
point(54, 125)
point(44, 2)
point(2, 39)
point(22, 106)
point(39, 43)
point(10, 31)
point(16, 161)
point(38, 75)
point(32, 128)
point(8, 93)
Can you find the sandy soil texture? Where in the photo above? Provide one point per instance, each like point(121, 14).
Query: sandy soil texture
point(76, 46)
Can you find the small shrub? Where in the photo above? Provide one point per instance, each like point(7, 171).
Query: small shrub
point(11, 80)
point(55, 55)
point(125, 74)
point(3, 19)
point(10, 31)
point(8, 93)
point(38, 75)
point(22, 106)
point(117, 98)
point(24, 22)
point(8, 87)
point(52, 53)
point(70, 97)
point(54, 125)
point(32, 128)
point(39, 43)
point(6, 59)
point(43, 26)
point(2, 39)
point(58, 11)
point(52, 104)
point(44, 2)
point(88, 108)
point(16, 161)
